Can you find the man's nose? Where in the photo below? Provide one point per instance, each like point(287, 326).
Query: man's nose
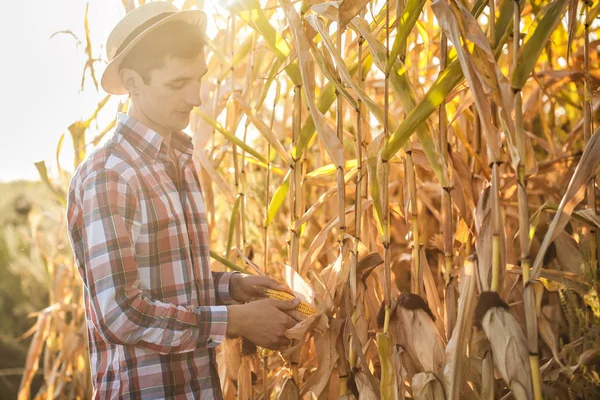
point(193, 96)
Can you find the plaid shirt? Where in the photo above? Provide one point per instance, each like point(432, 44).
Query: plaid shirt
point(154, 310)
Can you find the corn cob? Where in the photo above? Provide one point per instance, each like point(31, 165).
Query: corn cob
point(304, 308)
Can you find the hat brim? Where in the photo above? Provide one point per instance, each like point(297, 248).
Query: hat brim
point(111, 78)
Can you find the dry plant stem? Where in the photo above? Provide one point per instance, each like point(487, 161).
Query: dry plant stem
point(409, 167)
point(446, 200)
point(358, 206)
point(496, 230)
point(587, 129)
point(250, 77)
point(343, 367)
point(268, 184)
point(529, 296)
point(242, 191)
point(416, 275)
point(295, 182)
point(384, 184)
point(295, 192)
point(231, 119)
point(266, 236)
point(495, 184)
point(341, 185)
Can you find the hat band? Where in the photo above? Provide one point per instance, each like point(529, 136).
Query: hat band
point(141, 29)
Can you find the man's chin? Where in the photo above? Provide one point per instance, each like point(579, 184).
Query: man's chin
point(182, 123)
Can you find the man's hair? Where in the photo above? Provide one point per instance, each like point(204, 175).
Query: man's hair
point(174, 39)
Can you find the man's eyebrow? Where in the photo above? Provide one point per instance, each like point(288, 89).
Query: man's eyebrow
point(187, 78)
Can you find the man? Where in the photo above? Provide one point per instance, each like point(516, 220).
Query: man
point(139, 233)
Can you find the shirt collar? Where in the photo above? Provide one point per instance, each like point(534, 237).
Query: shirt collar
point(148, 141)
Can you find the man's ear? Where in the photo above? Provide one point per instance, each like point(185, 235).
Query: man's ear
point(132, 81)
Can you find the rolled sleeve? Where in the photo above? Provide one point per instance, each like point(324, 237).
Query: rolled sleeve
point(222, 280)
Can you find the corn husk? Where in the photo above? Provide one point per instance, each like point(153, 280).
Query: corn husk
point(413, 328)
point(507, 341)
point(426, 386)
point(363, 387)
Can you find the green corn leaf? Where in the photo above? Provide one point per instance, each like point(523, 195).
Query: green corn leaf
point(409, 17)
point(373, 107)
point(330, 169)
point(401, 85)
point(544, 25)
point(252, 13)
point(375, 178)
point(277, 200)
point(440, 89)
point(230, 136)
point(234, 215)
point(325, 101)
point(267, 133)
point(228, 263)
point(434, 97)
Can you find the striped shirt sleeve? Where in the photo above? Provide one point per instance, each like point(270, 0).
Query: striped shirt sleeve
point(122, 314)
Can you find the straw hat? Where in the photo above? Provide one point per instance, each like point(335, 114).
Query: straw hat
point(133, 27)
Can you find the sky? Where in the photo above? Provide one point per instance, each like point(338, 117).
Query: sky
point(40, 79)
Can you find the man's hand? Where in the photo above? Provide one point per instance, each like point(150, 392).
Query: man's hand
point(263, 322)
point(241, 287)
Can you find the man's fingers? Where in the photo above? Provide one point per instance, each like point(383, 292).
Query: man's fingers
point(290, 323)
point(283, 343)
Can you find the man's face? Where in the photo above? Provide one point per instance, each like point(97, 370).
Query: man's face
point(172, 92)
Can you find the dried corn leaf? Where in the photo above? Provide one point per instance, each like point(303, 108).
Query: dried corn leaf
point(568, 254)
point(262, 127)
point(450, 25)
point(573, 196)
point(433, 298)
point(244, 380)
point(326, 133)
point(327, 357)
point(232, 357)
point(33, 355)
point(289, 390)
point(349, 9)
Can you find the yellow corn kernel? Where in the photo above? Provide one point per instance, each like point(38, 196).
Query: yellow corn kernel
point(304, 308)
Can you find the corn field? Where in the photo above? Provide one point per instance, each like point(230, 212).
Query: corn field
point(423, 173)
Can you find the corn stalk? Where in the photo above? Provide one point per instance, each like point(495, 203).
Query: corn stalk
point(594, 238)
